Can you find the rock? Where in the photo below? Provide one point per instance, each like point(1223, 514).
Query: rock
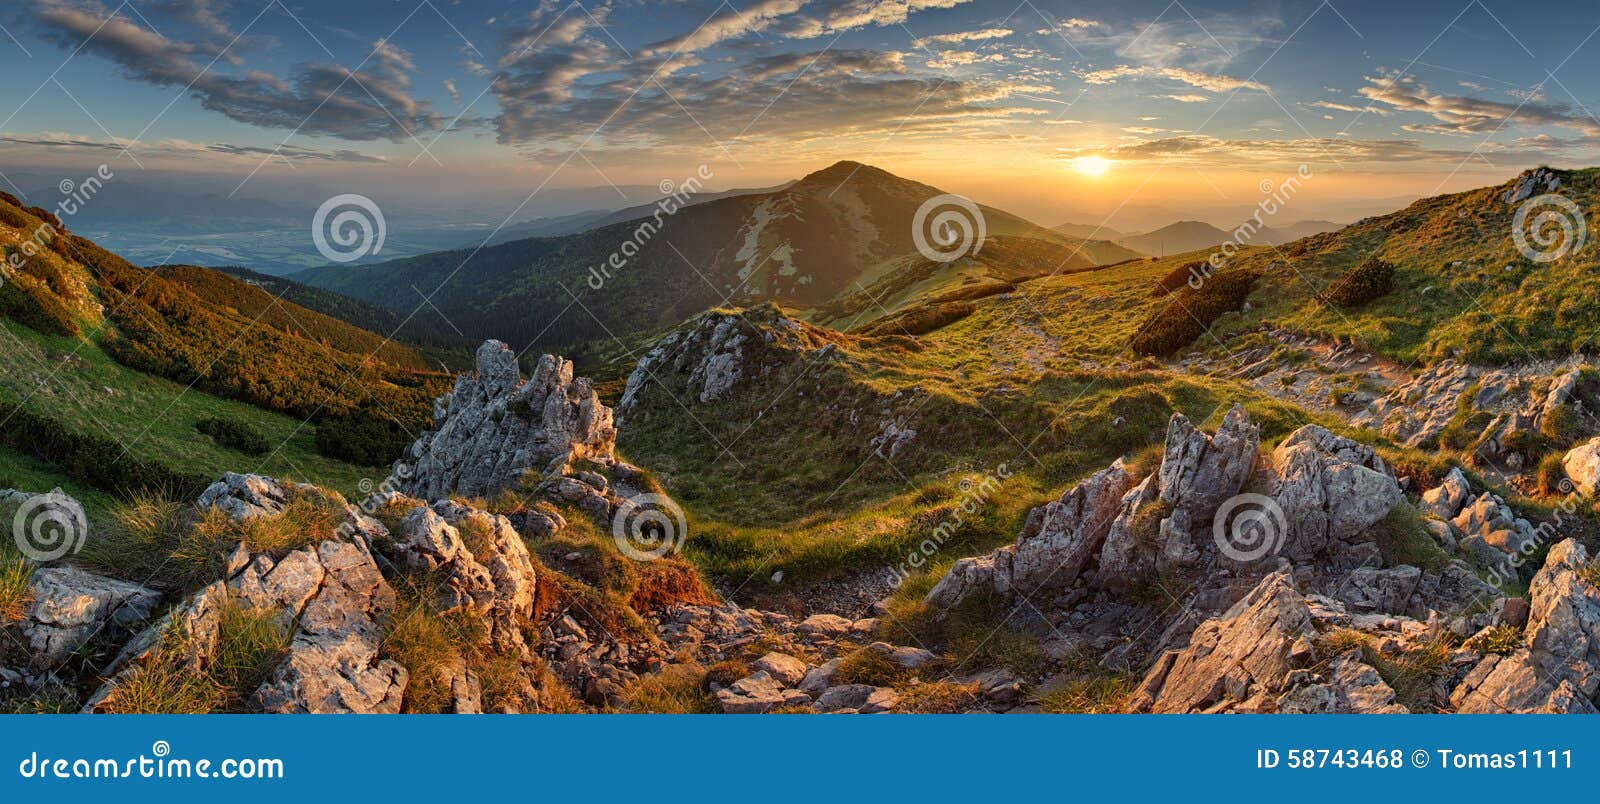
point(1349, 686)
point(1446, 500)
point(1558, 667)
point(785, 669)
point(1582, 465)
point(1512, 611)
point(819, 679)
point(1238, 661)
point(492, 427)
point(863, 698)
point(1331, 489)
point(1056, 542)
point(1382, 590)
point(829, 625)
point(71, 607)
point(998, 685)
point(755, 694)
point(905, 658)
point(1534, 182)
point(882, 699)
point(1199, 472)
point(245, 497)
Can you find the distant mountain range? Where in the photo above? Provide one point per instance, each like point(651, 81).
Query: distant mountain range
point(802, 243)
point(1177, 238)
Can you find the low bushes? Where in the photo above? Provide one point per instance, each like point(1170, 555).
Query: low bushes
point(1371, 279)
point(1191, 311)
point(92, 458)
point(237, 435)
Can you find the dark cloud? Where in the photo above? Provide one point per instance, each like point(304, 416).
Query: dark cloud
point(1460, 115)
point(372, 103)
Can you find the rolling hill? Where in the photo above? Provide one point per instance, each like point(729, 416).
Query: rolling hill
point(802, 244)
point(129, 378)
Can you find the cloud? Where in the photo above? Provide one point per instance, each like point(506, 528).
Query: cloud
point(964, 36)
point(839, 16)
point(1460, 115)
point(319, 98)
point(1206, 81)
point(560, 81)
point(1203, 150)
point(450, 87)
point(184, 148)
point(1345, 107)
point(732, 24)
point(1185, 98)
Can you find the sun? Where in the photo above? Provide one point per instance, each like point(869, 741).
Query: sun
point(1093, 166)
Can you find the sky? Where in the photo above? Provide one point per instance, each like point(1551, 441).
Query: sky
point(1060, 111)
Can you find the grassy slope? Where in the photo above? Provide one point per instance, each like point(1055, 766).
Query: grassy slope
point(268, 309)
point(151, 416)
point(1479, 311)
point(1036, 380)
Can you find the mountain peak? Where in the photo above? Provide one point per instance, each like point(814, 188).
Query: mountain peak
point(844, 170)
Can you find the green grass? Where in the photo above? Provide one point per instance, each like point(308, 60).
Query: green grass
point(152, 417)
point(1404, 539)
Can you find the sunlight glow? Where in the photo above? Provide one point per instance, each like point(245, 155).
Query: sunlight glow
point(1094, 166)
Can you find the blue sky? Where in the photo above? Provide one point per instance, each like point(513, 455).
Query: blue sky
point(1071, 104)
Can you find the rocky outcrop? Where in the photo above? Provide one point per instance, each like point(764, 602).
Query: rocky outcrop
point(1534, 182)
point(1349, 686)
point(1239, 662)
point(1557, 667)
point(1055, 544)
point(494, 426)
point(711, 358)
point(1331, 490)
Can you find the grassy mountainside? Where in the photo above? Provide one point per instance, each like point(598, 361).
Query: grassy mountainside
point(1460, 287)
point(797, 469)
point(110, 369)
point(257, 304)
point(802, 244)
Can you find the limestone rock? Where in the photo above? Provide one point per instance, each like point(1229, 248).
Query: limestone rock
point(1331, 489)
point(1582, 465)
point(1200, 472)
point(1558, 667)
point(71, 607)
point(492, 427)
point(1349, 686)
point(1232, 661)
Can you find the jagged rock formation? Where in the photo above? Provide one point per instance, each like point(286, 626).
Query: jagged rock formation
point(1557, 666)
point(493, 426)
point(710, 358)
point(70, 606)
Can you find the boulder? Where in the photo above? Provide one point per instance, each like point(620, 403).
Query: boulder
point(1446, 500)
point(1200, 472)
point(785, 669)
point(1331, 490)
point(70, 607)
point(1582, 465)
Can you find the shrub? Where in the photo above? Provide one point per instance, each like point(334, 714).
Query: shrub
point(1561, 426)
point(1404, 539)
point(234, 434)
point(1191, 311)
point(1371, 279)
point(92, 458)
point(1179, 278)
point(368, 440)
point(1499, 639)
point(1550, 474)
